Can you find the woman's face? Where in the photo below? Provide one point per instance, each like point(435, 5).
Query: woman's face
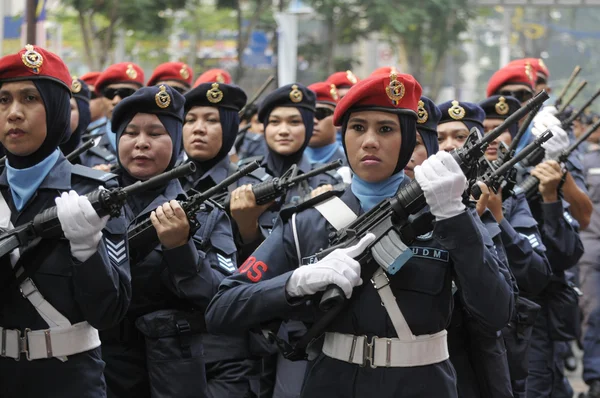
point(202, 133)
point(373, 140)
point(22, 118)
point(74, 115)
point(285, 131)
point(452, 135)
point(145, 147)
point(492, 151)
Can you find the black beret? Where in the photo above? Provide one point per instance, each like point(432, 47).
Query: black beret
point(454, 111)
point(428, 115)
point(80, 89)
point(499, 107)
point(158, 100)
point(291, 95)
point(219, 95)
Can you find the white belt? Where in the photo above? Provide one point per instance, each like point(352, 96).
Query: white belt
point(387, 352)
point(50, 343)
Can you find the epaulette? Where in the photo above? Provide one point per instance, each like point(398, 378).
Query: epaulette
point(102, 153)
point(286, 211)
point(251, 159)
point(92, 174)
point(260, 174)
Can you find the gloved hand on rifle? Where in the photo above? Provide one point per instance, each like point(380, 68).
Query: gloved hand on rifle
point(560, 139)
point(80, 224)
point(443, 184)
point(338, 268)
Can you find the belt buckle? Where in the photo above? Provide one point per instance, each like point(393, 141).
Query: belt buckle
point(35, 289)
point(368, 352)
point(23, 344)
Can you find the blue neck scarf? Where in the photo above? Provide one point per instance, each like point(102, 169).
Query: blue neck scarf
point(322, 154)
point(111, 135)
point(24, 182)
point(370, 194)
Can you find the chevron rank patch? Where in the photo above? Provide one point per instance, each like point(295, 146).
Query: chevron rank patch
point(568, 217)
point(117, 251)
point(533, 240)
point(226, 263)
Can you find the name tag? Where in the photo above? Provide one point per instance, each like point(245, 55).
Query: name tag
point(431, 253)
point(310, 260)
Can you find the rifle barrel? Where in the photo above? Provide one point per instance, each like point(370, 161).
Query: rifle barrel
point(568, 85)
point(572, 97)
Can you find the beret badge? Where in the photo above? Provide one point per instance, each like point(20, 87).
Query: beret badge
point(75, 85)
point(296, 95)
point(395, 90)
point(32, 59)
point(501, 106)
point(334, 93)
point(422, 114)
point(183, 72)
point(162, 98)
point(214, 95)
point(456, 112)
point(131, 73)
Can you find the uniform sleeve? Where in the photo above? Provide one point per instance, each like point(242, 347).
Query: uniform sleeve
point(576, 168)
point(102, 283)
point(526, 252)
point(485, 291)
point(195, 270)
point(256, 294)
point(559, 232)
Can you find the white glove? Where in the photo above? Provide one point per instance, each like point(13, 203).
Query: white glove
point(551, 109)
point(560, 139)
point(80, 224)
point(443, 184)
point(337, 268)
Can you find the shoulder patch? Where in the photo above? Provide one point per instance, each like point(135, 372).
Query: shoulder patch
point(226, 263)
point(102, 153)
point(92, 174)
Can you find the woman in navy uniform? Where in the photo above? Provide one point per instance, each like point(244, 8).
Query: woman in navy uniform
point(172, 282)
point(209, 131)
point(378, 119)
point(288, 116)
point(80, 116)
point(71, 286)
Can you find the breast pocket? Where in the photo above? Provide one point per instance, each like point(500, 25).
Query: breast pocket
point(426, 272)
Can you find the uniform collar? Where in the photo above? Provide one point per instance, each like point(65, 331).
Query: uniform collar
point(217, 173)
point(59, 176)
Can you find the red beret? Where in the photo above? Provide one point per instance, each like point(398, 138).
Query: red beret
point(213, 76)
point(515, 74)
point(326, 92)
point(343, 79)
point(123, 72)
point(537, 64)
point(398, 93)
point(386, 70)
point(34, 62)
point(172, 71)
point(90, 78)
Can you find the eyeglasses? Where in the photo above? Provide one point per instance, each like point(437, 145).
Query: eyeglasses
point(520, 95)
point(322, 113)
point(123, 92)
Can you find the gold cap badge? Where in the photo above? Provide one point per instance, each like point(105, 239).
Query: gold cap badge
point(296, 95)
point(351, 78)
point(456, 112)
point(75, 85)
point(542, 64)
point(334, 93)
point(214, 95)
point(163, 99)
point(220, 78)
point(528, 71)
point(422, 114)
point(131, 73)
point(32, 59)
point(395, 90)
point(501, 106)
point(184, 73)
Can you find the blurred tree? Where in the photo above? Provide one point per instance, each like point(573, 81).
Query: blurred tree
point(99, 21)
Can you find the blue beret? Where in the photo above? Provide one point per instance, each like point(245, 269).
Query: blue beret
point(158, 100)
point(218, 95)
point(80, 89)
point(291, 95)
point(501, 107)
point(467, 112)
point(428, 115)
